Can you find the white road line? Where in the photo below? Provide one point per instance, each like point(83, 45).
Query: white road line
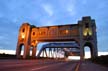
point(45, 66)
point(40, 68)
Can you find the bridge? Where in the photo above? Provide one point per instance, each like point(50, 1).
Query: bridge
point(83, 33)
point(54, 49)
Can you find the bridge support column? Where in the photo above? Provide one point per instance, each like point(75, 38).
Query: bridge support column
point(26, 51)
point(94, 53)
point(96, 49)
point(34, 52)
point(18, 51)
point(81, 52)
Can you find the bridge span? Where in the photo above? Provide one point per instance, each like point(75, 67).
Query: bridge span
point(83, 33)
point(54, 49)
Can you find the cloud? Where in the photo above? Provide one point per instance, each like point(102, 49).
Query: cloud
point(8, 30)
point(71, 9)
point(46, 22)
point(48, 9)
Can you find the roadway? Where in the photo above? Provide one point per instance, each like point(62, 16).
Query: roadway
point(48, 65)
point(37, 65)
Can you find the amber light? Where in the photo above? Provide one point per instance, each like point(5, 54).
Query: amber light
point(67, 31)
point(87, 30)
point(34, 42)
point(22, 35)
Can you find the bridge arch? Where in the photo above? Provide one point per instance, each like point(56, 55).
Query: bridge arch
point(90, 46)
point(20, 51)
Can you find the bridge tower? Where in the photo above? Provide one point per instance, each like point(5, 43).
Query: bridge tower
point(88, 36)
point(24, 40)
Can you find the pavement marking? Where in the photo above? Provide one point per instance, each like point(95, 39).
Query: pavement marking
point(77, 67)
point(45, 66)
point(40, 68)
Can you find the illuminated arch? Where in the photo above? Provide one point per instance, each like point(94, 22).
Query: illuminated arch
point(90, 46)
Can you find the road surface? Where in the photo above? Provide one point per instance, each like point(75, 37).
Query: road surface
point(48, 65)
point(37, 65)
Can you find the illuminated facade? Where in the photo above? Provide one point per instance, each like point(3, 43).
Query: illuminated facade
point(84, 33)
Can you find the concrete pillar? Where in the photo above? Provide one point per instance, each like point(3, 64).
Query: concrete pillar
point(26, 51)
point(81, 54)
point(18, 51)
point(94, 50)
point(34, 52)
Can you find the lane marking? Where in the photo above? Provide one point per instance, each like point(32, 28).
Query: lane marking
point(77, 67)
point(46, 66)
point(40, 68)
